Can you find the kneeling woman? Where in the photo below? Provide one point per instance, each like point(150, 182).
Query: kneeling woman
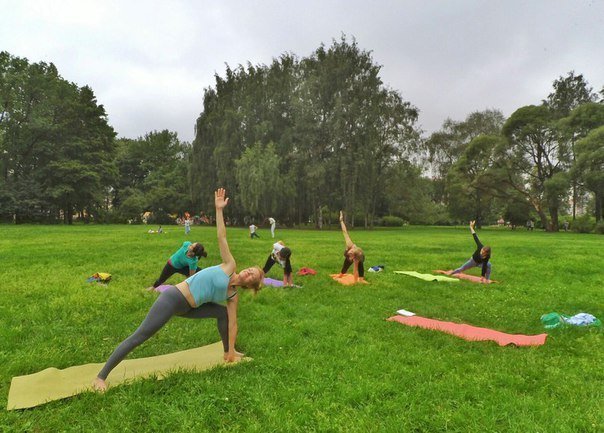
point(280, 254)
point(352, 255)
point(196, 298)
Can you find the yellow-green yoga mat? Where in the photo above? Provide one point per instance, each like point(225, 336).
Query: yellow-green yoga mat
point(428, 277)
point(54, 384)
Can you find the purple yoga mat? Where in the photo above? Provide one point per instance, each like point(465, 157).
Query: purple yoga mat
point(271, 282)
point(162, 288)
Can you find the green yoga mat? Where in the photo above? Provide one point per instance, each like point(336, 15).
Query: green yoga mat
point(428, 277)
point(54, 384)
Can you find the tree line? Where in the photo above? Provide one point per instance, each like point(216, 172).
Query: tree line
point(297, 140)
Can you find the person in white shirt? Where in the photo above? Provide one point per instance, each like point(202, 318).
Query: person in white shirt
point(273, 224)
point(281, 254)
point(253, 233)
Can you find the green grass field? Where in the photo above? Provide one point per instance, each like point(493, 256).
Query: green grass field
point(325, 358)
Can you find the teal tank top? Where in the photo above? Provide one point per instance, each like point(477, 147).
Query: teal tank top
point(180, 260)
point(209, 285)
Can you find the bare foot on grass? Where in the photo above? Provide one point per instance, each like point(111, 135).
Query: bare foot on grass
point(236, 358)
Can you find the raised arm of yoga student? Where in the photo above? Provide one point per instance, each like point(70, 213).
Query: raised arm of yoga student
point(228, 265)
point(228, 261)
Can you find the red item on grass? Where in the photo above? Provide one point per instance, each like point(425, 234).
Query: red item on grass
point(463, 276)
point(307, 271)
point(472, 333)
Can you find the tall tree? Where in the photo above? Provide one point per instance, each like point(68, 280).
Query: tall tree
point(533, 161)
point(575, 126)
point(471, 182)
point(590, 166)
point(569, 92)
point(446, 146)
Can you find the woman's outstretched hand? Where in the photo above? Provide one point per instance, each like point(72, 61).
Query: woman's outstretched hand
point(472, 224)
point(220, 199)
point(341, 216)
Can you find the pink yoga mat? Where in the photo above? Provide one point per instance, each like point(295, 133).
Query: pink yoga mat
point(472, 333)
point(162, 288)
point(463, 276)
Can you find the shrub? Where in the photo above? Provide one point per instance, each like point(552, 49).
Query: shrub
point(583, 224)
point(600, 228)
point(392, 221)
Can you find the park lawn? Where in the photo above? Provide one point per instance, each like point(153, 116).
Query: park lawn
point(325, 358)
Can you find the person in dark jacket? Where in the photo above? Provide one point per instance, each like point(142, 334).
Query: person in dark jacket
point(481, 257)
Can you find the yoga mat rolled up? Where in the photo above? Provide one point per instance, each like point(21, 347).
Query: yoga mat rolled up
point(54, 384)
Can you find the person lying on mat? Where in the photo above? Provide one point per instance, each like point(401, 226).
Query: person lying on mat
point(353, 255)
point(184, 261)
point(280, 254)
point(480, 257)
point(197, 297)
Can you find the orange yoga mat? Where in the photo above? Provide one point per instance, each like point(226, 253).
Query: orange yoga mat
point(472, 333)
point(347, 279)
point(463, 276)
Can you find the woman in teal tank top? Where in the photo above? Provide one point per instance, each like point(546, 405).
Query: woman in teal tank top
point(184, 261)
point(197, 297)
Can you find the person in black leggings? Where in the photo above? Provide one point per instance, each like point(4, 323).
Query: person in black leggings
point(184, 261)
point(280, 254)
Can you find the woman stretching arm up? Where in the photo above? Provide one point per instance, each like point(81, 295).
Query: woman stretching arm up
point(198, 297)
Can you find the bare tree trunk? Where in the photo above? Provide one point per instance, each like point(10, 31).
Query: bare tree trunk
point(553, 212)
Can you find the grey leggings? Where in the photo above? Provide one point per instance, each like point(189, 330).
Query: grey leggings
point(470, 264)
point(170, 303)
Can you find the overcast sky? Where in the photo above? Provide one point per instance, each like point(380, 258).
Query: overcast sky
point(149, 61)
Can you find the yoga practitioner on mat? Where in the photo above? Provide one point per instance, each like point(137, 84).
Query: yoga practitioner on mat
point(353, 255)
point(281, 255)
point(184, 261)
point(480, 257)
point(197, 297)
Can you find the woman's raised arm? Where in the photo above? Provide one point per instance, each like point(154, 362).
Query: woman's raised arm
point(220, 201)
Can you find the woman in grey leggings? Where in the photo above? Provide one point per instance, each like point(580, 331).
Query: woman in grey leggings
point(197, 297)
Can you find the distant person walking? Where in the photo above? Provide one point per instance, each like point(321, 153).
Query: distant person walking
point(273, 224)
point(481, 257)
point(253, 233)
point(184, 261)
point(187, 226)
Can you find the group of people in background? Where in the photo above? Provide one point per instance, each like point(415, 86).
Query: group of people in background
point(204, 292)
